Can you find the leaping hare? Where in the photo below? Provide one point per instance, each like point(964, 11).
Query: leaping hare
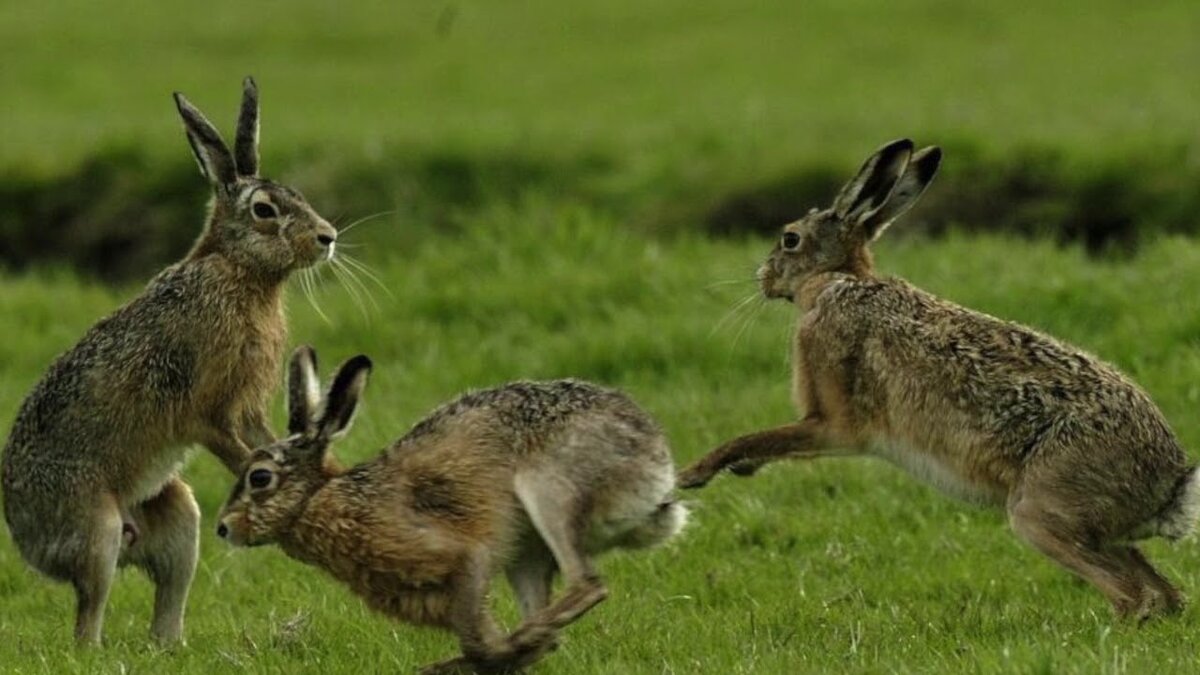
point(532, 478)
point(1079, 456)
point(90, 470)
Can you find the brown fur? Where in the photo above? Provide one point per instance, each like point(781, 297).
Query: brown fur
point(90, 469)
point(989, 410)
point(532, 478)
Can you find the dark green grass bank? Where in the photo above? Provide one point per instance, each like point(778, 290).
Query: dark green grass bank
point(1076, 120)
point(839, 566)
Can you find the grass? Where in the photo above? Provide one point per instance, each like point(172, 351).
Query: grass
point(834, 566)
point(527, 148)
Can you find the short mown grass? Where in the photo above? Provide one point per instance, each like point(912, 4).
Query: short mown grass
point(835, 566)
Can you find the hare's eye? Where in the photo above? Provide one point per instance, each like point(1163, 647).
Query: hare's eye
point(790, 241)
point(259, 478)
point(263, 210)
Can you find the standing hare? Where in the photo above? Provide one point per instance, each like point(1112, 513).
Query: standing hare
point(1079, 456)
point(90, 470)
point(532, 478)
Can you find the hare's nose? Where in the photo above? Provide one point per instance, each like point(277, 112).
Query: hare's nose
point(222, 531)
point(326, 239)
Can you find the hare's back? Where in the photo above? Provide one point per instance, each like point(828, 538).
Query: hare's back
point(929, 363)
point(525, 416)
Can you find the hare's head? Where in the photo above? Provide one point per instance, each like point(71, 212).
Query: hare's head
point(278, 479)
point(835, 239)
point(260, 225)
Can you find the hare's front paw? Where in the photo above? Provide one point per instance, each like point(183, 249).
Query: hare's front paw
point(530, 641)
point(695, 476)
point(746, 467)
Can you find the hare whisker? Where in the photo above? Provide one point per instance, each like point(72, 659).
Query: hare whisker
point(364, 219)
point(368, 271)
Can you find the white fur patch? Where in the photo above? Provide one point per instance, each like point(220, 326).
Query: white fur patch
point(1181, 522)
point(930, 470)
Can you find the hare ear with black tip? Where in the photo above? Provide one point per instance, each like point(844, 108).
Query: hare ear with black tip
point(216, 163)
point(875, 180)
point(245, 146)
point(304, 391)
point(342, 399)
point(908, 189)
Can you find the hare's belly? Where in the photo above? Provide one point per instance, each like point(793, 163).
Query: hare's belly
point(936, 471)
point(157, 470)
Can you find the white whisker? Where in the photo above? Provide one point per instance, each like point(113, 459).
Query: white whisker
point(365, 269)
point(306, 284)
point(733, 312)
point(364, 219)
point(350, 290)
point(350, 274)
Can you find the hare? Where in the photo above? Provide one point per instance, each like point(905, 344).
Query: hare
point(90, 471)
point(532, 478)
point(1078, 455)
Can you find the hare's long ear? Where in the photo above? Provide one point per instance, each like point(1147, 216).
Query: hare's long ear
point(211, 152)
point(304, 392)
point(917, 176)
point(342, 399)
point(870, 188)
point(245, 146)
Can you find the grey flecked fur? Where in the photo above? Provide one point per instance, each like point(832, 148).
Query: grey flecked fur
point(90, 468)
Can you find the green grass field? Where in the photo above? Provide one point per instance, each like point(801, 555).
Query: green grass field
point(837, 566)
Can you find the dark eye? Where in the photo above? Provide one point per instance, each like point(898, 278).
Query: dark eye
point(264, 210)
point(790, 240)
point(259, 478)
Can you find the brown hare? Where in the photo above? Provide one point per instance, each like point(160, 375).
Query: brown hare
point(532, 478)
point(1079, 456)
point(91, 468)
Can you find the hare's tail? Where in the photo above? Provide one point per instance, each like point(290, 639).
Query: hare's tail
point(666, 521)
point(1180, 518)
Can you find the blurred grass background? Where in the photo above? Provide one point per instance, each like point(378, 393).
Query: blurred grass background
point(583, 189)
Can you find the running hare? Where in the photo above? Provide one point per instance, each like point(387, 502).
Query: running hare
point(90, 470)
point(531, 478)
point(1079, 456)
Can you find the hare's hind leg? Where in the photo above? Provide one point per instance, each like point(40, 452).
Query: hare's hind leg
point(559, 515)
point(95, 569)
point(531, 576)
point(1110, 568)
point(166, 547)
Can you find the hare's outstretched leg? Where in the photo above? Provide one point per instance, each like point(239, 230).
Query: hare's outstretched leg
point(1111, 569)
point(746, 454)
point(167, 547)
point(555, 509)
point(95, 570)
point(228, 447)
